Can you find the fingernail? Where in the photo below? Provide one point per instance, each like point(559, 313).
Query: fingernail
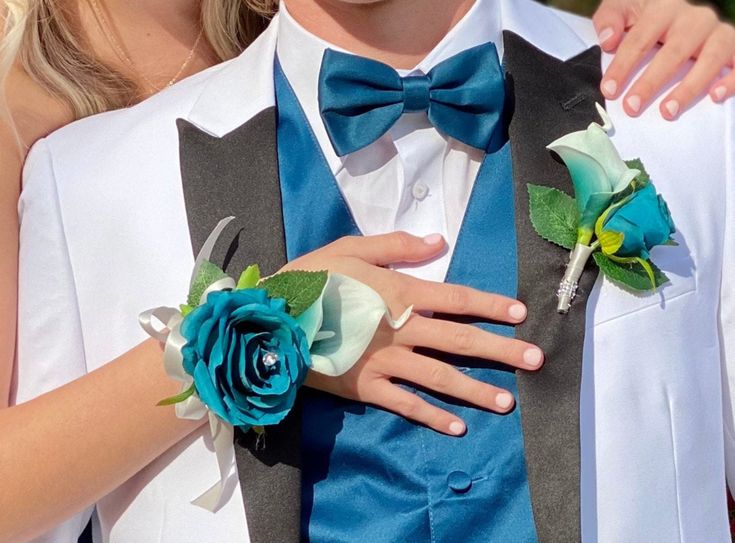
point(610, 88)
point(634, 103)
point(533, 357)
point(457, 428)
point(504, 400)
point(672, 106)
point(517, 311)
point(606, 34)
point(720, 93)
point(433, 239)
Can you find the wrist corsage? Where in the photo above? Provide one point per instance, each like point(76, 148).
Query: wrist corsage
point(242, 349)
point(616, 216)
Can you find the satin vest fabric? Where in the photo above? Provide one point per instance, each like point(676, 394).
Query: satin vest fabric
point(369, 475)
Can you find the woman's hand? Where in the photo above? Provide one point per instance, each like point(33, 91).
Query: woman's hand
point(390, 356)
point(686, 32)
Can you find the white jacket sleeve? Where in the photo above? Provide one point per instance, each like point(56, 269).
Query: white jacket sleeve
point(50, 344)
point(727, 305)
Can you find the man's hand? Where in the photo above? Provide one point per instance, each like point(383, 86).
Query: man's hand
point(390, 355)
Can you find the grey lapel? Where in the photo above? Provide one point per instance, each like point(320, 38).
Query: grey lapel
point(237, 175)
point(548, 99)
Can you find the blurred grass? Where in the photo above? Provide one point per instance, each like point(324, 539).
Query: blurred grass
point(587, 7)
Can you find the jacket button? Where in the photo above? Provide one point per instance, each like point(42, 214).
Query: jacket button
point(459, 481)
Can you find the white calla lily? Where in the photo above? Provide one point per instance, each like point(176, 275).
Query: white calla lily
point(342, 322)
point(598, 173)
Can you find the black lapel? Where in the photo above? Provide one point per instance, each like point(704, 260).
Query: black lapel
point(549, 98)
point(238, 175)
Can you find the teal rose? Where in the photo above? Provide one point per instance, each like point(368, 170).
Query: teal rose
point(644, 220)
point(247, 355)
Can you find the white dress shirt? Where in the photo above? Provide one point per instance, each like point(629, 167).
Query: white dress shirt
point(413, 178)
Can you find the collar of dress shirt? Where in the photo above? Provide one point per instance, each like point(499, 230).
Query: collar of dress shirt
point(300, 54)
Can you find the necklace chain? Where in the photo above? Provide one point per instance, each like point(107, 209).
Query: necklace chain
point(119, 50)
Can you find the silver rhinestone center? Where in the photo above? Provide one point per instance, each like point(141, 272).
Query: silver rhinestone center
point(269, 359)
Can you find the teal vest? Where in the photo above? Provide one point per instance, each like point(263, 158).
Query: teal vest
point(367, 474)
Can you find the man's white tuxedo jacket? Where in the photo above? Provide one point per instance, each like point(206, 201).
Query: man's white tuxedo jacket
point(104, 236)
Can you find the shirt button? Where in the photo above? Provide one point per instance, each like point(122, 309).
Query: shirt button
point(459, 481)
point(420, 191)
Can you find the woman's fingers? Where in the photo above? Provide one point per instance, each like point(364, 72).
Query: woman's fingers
point(686, 32)
point(460, 300)
point(369, 382)
point(725, 87)
point(407, 404)
point(386, 249)
point(686, 39)
point(469, 340)
point(715, 54)
point(445, 379)
point(635, 46)
point(609, 21)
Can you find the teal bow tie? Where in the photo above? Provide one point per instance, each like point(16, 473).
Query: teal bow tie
point(361, 99)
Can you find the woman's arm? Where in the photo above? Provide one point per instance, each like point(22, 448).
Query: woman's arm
point(64, 450)
point(10, 167)
point(27, 113)
point(68, 448)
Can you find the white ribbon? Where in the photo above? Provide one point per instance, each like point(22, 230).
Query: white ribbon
point(223, 435)
point(206, 251)
point(192, 408)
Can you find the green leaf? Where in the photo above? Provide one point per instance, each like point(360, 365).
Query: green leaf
point(643, 179)
point(300, 289)
point(554, 215)
point(179, 397)
point(249, 278)
point(610, 241)
point(185, 309)
point(647, 266)
point(208, 274)
point(629, 273)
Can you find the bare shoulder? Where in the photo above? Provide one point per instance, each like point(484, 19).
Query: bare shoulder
point(35, 112)
point(31, 114)
point(11, 162)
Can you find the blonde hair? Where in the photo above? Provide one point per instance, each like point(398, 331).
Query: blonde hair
point(43, 38)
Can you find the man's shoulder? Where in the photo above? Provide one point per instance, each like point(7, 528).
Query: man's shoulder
point(557, 33)
point(217, 100)
point(147, 118)
point(581, 26)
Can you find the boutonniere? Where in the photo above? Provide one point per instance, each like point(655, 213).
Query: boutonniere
point(615, 217)
point(242, 349)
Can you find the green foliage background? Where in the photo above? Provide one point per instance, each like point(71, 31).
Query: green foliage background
point(587, 7)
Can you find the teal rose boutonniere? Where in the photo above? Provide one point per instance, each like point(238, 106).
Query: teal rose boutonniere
point(243, 349)
point(616, 216)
